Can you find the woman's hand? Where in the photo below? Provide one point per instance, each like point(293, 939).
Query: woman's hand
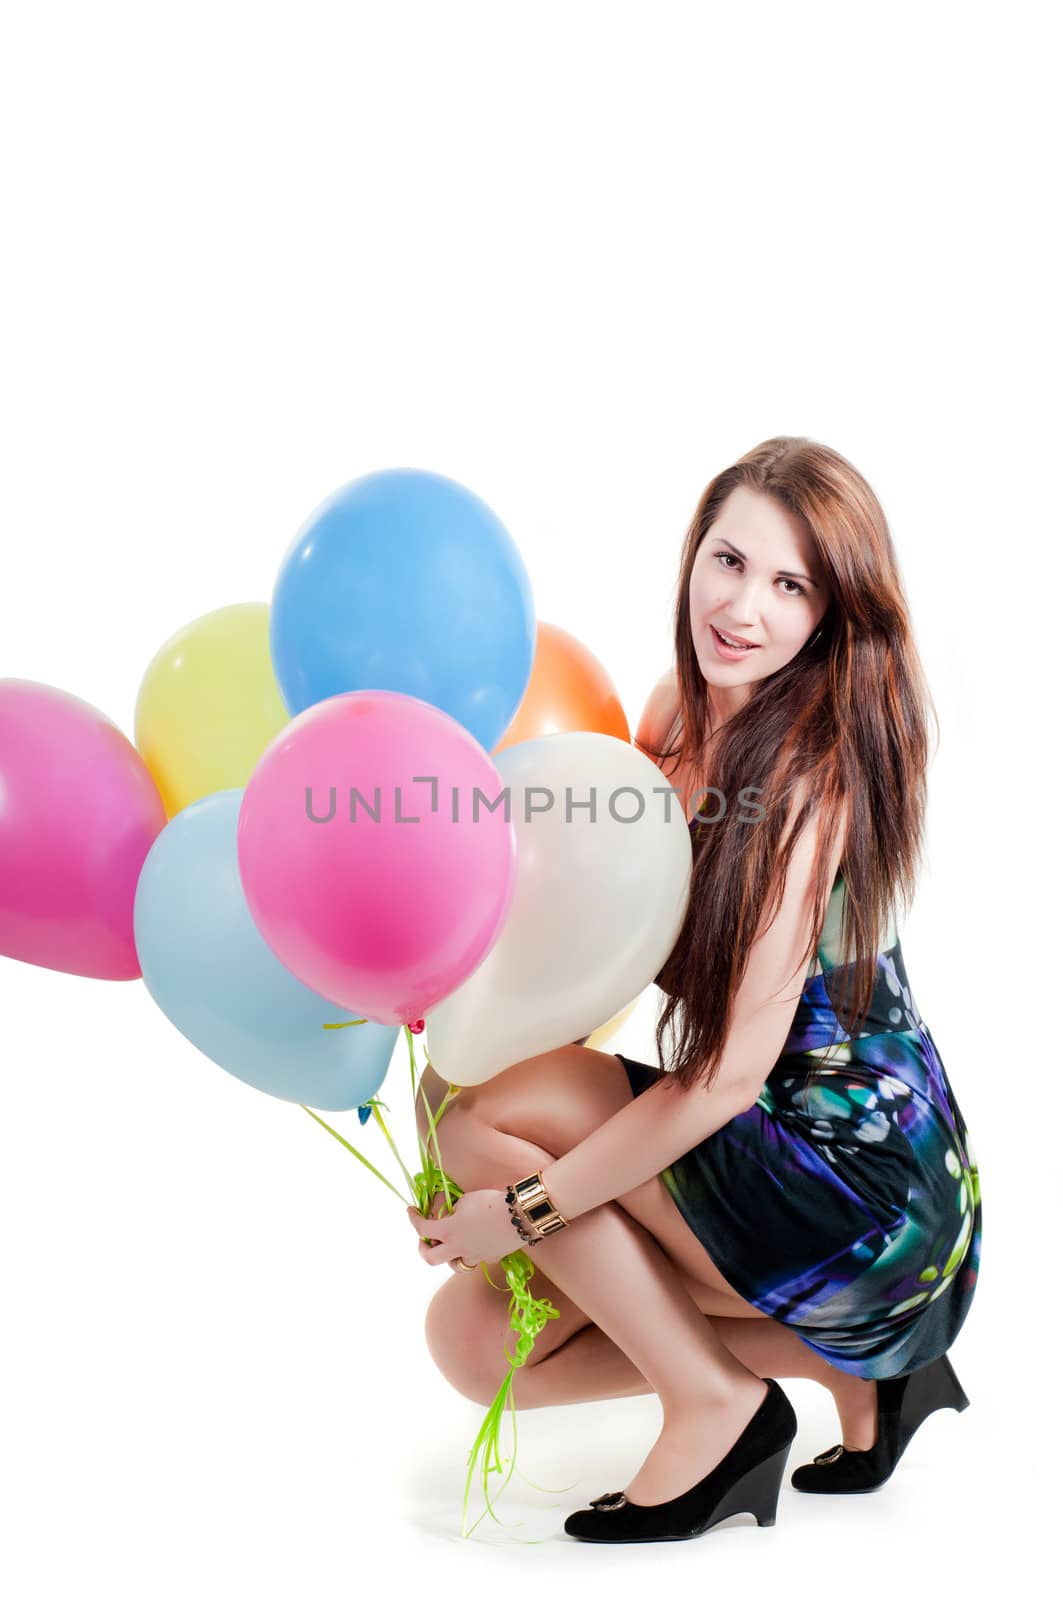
point(478, 1229)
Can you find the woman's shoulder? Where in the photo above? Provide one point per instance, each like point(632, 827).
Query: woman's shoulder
point(659, 714)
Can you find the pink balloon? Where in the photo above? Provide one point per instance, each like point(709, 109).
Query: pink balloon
point(384, 917)
point(79, 812)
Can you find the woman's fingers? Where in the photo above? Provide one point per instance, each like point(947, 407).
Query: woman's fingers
point(435, 1255)
point(431, 1245)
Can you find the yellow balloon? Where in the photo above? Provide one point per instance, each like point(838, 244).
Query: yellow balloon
point(601, 1036)
point(209, 705)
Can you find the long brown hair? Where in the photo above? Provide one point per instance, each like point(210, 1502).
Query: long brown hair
point(844, 722)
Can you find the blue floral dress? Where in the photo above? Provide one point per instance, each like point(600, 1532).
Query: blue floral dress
point(845, 1202)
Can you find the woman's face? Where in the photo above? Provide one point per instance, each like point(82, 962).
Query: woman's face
point(755, 579)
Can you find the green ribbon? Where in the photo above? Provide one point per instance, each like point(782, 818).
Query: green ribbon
point(527, 1314)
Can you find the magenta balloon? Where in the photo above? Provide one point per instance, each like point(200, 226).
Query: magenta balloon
point(79, 812)
point(384, 917)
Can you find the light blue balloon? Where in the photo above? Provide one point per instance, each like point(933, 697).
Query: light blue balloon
point(406, 580)
point(209, 969)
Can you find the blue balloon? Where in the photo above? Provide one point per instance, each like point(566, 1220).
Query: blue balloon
point(406, 580)
point(209, 969)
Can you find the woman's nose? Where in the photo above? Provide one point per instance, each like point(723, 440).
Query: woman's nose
point(745, 603)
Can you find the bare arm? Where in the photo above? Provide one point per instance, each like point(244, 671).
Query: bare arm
point(666, 1121)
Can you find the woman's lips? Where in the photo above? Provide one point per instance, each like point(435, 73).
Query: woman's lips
point(728, 652)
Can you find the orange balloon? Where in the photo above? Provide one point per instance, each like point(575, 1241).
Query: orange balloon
point(569, 691)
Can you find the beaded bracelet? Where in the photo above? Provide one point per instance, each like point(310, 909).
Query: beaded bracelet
point(528, 1238)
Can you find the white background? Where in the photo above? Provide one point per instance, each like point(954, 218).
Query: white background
point(579, 257)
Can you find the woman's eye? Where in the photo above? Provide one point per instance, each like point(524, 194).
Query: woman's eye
point(725, 555)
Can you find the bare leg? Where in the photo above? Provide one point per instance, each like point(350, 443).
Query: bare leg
point(589, 1366)
point(619, 1276)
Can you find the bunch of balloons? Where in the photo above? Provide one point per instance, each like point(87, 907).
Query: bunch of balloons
point(388, 795)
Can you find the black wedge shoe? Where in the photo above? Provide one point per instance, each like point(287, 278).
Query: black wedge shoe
point(747, 1479)
point(903, 1403)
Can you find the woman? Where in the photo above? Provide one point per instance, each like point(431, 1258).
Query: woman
point(796, 1196)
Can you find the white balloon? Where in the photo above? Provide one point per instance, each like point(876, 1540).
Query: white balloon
point(598, 904)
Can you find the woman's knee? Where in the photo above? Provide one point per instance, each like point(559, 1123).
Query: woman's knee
point(553, 1100)
point(468, 1332)
point(464, 1329)
point(433, 1089)
point(469, 1150)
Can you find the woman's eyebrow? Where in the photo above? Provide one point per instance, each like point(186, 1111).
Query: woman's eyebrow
point(780, 574)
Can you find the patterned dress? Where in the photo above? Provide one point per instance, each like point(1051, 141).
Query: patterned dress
point(845, 1202)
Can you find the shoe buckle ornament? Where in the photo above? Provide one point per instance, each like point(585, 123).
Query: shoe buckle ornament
point(610, 1502)
point(825, 1459)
